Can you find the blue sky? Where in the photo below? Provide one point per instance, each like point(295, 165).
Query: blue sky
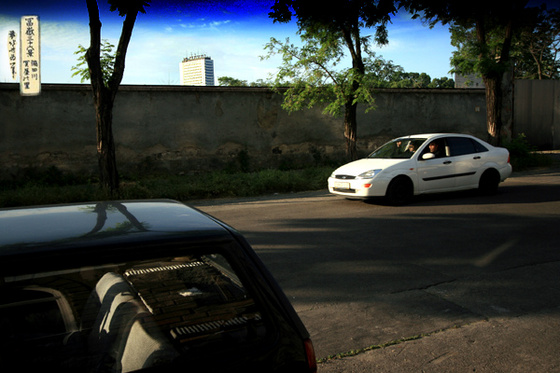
point(233, 33)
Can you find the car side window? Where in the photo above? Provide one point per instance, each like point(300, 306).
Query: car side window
point(479, 148)
point(437, 147)
point(460, 146)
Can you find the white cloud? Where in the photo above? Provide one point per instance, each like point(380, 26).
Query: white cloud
point(219, 23)
point(63, 36)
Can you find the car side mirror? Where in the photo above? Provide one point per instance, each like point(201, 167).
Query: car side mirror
point(428, 156)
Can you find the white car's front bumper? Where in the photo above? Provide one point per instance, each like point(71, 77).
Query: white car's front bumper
point(356, 188)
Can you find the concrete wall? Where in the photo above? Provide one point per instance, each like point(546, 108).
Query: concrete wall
point(190, 129)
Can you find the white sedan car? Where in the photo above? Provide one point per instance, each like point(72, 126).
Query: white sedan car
point(418, 164)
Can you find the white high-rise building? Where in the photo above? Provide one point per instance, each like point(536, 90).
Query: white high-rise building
point(197, 70)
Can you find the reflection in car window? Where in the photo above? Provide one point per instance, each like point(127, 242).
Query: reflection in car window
point(128, 317)
point(399, 148)
point(30, 313)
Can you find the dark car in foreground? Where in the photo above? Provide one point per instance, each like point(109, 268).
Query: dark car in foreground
point(139, 285)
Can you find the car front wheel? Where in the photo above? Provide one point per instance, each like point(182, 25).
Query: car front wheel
point(399, 191)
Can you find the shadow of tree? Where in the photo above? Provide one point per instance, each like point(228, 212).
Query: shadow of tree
point(361, 274)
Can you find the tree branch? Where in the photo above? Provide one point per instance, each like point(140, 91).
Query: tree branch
point(93, 52)
point(126, 34)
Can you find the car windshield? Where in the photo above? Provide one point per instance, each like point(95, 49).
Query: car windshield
point(399, 148)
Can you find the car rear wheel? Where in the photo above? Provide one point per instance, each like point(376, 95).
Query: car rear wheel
point(489, 182)
point(399, 191)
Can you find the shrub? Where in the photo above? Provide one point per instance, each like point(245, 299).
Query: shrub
point(523, 155)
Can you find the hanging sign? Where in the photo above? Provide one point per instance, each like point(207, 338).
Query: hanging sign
point(30, 53)
point(12, 58)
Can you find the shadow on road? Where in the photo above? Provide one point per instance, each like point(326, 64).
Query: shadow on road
point(361, 274)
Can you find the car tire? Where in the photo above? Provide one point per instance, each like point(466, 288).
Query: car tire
point(400, 191)
point(489, 182)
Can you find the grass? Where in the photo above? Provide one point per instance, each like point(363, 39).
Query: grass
point(384, 345)
point(33, 186)
point(52, 186)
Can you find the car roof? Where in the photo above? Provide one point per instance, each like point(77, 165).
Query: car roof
point(104, 229)
point(432, 135)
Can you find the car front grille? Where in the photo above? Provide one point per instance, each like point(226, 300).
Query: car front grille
point(345, 177)
point(344, 190)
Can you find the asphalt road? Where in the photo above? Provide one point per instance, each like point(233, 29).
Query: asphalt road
point(376, 281)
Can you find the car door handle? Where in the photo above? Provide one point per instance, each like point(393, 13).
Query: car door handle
point(477, 157)
point(447, 162)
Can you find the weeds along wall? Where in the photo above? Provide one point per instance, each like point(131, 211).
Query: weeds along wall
point(195, 129)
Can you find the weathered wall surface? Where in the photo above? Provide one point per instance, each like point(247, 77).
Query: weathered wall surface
point(189, 129)
point(537, 112)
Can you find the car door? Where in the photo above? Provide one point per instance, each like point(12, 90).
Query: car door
point(466, 157)
point(436, 174)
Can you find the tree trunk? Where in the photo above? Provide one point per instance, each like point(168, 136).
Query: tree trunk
point(104, 92)
point(352, 38)
point(493, 85)
point(493, 78)
point(108, 174)
point(350, 130)
point(507, 129)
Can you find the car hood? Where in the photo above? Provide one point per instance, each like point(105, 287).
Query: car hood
point(362, 165)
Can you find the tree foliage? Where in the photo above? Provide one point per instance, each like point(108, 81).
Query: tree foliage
point(227, 81)
point(329, 30)
point(534, 47)
point(107, 60)
point(535, 51)
point(485, 31)
point(312, 75)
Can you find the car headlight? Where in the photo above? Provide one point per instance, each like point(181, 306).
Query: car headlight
point(369, 174)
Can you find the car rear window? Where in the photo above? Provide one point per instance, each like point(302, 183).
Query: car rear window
point(125, 317)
